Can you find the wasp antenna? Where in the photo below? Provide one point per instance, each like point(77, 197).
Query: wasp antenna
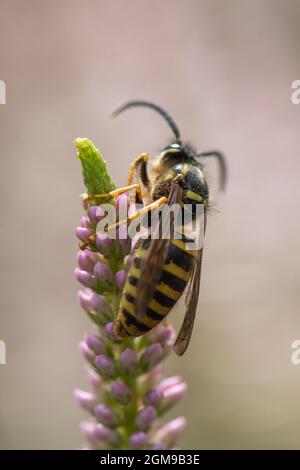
point(155, 107)
point(222, 165)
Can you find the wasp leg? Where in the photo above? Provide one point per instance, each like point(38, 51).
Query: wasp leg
point(150, 207)
point(110, 195)
point(114, 193)
point(141, 163)
point(222, 165)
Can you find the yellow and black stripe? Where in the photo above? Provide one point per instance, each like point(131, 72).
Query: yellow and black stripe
point(175, 275)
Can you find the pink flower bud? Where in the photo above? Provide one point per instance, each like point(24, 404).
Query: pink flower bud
point(85, 222)
point(120, 391)
point(86, 352)
point(83, 233)
point(169, 382)
point(95, 343)
point(84, 278)
point(123, 240)
point(138, 440)
point(105, 365)
point(88, 430)
point(145, 418)
point(95, 381)
point(103, 272)
point(171, 432)
point(164, 335)
point(107, 415)
point(99, 303)
point(85, 260)
point(104, 434)
point(84, 298)
point(153, 397)
point(122, 205)
point(174, 394)
point(120, 278)
point(110, 331)
point(129, 360)
point(104, 243)
point(95, 213)
point(152, 355)
point(85, 399)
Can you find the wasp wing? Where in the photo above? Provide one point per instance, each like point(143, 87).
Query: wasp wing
point(185, 332)
point(155, 259)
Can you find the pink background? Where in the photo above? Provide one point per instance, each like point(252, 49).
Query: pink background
point(223, 69)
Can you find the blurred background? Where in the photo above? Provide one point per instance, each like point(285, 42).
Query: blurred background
point(223, 69)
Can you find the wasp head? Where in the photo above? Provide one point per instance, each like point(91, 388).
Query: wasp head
point(176, 153)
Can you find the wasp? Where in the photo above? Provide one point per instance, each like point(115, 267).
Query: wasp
point(161, 268)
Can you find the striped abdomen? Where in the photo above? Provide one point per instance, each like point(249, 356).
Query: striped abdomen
point(175, 275)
